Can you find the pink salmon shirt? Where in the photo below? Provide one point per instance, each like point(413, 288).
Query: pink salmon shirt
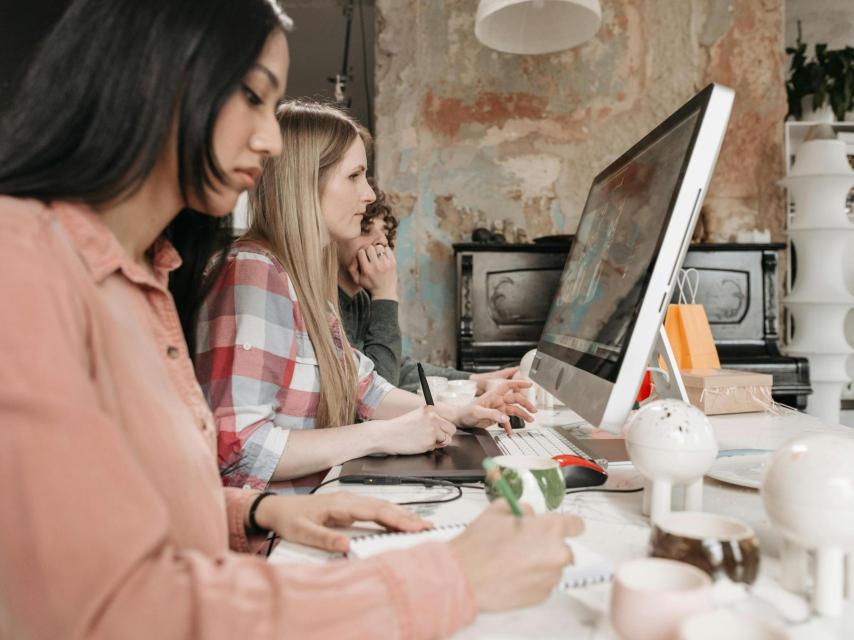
point(115, 523)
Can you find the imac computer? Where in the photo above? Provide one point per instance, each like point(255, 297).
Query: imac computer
point(606, 317)
point(605, 324)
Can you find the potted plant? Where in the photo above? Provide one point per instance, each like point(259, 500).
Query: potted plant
point(821, 87)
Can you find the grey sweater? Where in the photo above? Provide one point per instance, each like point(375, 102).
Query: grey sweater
point(372, 328)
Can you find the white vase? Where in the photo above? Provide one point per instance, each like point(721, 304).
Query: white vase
point(808, 114)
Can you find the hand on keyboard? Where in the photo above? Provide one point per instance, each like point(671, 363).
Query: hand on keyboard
point(494, 406)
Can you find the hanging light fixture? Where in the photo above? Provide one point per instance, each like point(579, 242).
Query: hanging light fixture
point(536, 26)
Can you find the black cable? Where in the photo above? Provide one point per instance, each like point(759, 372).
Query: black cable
point(365, 67)
point(341, 80)
point(417, 480)
point(456, 497)
point(348, 13)
point(322, 484)
point(590, 489)
point(427, 482)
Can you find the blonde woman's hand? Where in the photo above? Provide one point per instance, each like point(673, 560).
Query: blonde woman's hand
point(508, 399)
point(423, 429)
point(375, 270)
point(311, 520)
point(514, 562)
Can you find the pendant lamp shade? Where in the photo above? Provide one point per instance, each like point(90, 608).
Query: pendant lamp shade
point(536, 26)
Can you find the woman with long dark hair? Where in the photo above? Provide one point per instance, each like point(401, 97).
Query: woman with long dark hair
point(114, 519)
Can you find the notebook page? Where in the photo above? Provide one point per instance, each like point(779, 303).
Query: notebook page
point(588, 568)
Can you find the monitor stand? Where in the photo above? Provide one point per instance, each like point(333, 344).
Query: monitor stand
point(668, 381)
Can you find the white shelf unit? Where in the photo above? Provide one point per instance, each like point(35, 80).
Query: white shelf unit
point(817, 243)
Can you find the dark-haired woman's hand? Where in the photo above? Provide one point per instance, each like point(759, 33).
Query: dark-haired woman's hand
point(312, 520)
point(502, 578)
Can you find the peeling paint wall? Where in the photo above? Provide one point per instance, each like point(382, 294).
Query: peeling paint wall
point(467, 135)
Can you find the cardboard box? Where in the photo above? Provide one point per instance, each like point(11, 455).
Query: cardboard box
point(718, 391)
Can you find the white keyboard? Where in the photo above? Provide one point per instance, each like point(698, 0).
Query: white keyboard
point(544, 441)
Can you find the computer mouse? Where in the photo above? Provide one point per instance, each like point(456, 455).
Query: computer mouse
point(580, 472)
point(516, 422)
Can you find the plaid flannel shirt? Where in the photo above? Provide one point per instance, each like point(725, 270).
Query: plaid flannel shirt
point(258, 369)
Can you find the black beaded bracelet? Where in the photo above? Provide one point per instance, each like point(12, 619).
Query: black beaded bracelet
point(254, 527)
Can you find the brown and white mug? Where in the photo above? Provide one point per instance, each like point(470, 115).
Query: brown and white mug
point(717, 544)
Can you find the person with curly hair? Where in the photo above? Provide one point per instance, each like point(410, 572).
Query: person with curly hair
point(368, 300)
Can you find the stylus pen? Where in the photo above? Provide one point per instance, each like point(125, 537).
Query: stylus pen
point(495, 477)
point(428, 397)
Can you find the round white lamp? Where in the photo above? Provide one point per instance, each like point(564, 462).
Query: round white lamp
point(536, 26)
point(671, 442)
point(808, 494)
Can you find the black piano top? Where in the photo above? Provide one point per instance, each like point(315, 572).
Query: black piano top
point(557, 247)
point(511, 247)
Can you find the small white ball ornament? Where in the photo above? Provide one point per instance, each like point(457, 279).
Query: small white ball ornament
point(808, 494)
point(671, 442)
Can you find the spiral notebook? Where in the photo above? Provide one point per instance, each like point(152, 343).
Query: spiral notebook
point(589, 567)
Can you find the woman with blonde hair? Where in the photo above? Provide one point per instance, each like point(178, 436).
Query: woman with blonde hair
point(285, 386)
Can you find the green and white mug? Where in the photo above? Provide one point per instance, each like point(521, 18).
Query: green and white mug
point(534, 480)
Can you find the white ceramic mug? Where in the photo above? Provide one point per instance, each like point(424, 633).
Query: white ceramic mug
point(719, 545)
point(651, 597)
point(462, 387)
point(437, 384)
point(456, 399)
point(534, 480)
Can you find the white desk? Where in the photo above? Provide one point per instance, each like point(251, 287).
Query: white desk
point(616, 528)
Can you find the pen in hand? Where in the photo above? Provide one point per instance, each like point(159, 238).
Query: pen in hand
point(496, 479)
point(428, 397)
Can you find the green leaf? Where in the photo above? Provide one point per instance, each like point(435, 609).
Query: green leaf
point(828, 77)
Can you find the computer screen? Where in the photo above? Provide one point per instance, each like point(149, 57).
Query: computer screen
point(617, 239)
point(631, 239)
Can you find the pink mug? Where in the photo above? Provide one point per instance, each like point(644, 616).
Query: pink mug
point(650, 597)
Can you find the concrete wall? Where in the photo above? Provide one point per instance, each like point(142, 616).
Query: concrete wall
point(467, 135)
point(829, 21)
